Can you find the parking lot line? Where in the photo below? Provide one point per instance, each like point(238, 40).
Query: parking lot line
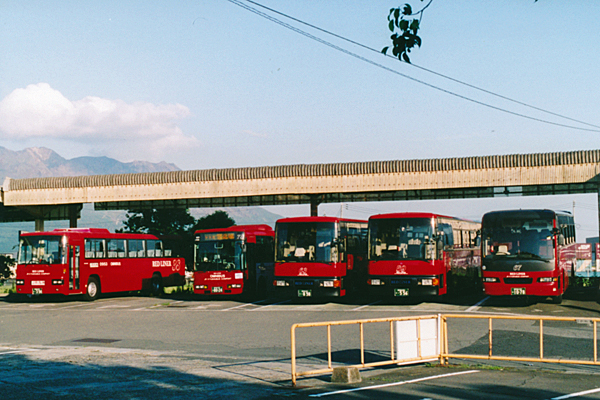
point(366, 305)
point(427, 378)
point(476, 306)
point(578, 394)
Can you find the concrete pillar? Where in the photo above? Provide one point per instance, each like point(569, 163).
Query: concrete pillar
point(39, 225)
point(73, 211)
point(314, 205)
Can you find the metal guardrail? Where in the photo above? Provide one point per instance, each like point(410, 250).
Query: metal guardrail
point(360, 323)
point(443, 354)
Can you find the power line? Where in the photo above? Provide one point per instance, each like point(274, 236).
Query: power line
point(326, 43)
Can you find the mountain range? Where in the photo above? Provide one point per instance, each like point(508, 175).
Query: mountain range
point(37, 162)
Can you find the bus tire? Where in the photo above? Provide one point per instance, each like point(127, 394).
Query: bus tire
point(92, 290)
point(156, 285)
point(557, 299)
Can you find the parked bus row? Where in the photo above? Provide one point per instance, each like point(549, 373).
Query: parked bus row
point(398, 255)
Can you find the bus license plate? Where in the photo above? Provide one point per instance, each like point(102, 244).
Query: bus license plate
point(217, 289)
point(402, 292)
point(304, 293)
point(517, 291)
point(37, 291)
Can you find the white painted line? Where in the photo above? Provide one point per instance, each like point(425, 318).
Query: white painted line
point(113, 306)
point(73, 306)
point(476, 306)
point(428, 378)
point(568, 396)
point(365, 306)
point(269, 305)
point(17, 351)
point(244, 305)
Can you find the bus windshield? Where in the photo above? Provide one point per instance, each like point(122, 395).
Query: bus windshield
point(306, 242)
point(219, 255)
point(399, 238)
point(40, 250)
point(518, 237)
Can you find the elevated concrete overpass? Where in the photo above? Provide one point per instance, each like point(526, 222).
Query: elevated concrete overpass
point(42, 199)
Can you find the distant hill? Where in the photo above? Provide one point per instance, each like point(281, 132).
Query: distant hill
point(42, 162)
point(37, 162)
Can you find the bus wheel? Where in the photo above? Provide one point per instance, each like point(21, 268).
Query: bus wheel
point(156, 285)
point(93, 289)
point(557, 299)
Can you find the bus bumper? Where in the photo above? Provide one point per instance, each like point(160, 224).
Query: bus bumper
point(413, 286)
point(308, 287)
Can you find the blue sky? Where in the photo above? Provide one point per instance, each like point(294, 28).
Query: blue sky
point(208, 84)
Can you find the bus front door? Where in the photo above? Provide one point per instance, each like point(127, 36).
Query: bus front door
point(74, 267)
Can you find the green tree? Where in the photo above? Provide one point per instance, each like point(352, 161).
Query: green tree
point(404, 30)
point(175, 226)
point(218, 219)
point(405, 23)
point(175, 221)
point(6, 262)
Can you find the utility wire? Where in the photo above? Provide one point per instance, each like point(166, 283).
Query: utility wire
point(322, 41)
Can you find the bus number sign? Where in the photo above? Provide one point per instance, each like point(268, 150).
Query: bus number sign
point(401, 292)
point(304, 293)
point(517, 291)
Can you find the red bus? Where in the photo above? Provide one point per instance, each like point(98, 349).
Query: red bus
point(233, 261)
point(422, 254)
point(93, 261)
point(319, 256)
point(528, 253)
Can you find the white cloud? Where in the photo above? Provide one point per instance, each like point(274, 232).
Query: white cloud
point(122, 129)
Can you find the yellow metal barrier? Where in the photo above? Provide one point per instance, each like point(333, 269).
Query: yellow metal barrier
point(360, 323)
point(443, 354)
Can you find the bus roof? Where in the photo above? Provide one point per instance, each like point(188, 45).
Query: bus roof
point(319, 219)
point(256, 230)
point(91, 233)
point(410, 215)
point(525, 213)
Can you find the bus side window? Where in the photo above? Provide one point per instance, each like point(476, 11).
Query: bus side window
point(116, 248)
point(135, 248)
point(94, 248)
point(154, 248)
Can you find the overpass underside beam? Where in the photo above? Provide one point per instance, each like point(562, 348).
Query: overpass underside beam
point(39, 214)
point(315, 199)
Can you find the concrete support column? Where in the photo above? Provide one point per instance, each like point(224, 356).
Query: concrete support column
point(73, 211)
point(39, 225)
point(315, 200)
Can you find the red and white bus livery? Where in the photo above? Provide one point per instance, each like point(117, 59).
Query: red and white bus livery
point(528, 253)
point(232, 261)
point(92, 261)
point(421, 254)
point(319, 256)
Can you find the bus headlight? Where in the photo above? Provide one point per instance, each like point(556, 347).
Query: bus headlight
point(201, 287)
point(491, 280)
point(234, 286)
point(58, 282)
point(547, 279)
point(20, 282)
point(375, 282)
point(281, 283)
point(333, 283)
point(429, 282)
